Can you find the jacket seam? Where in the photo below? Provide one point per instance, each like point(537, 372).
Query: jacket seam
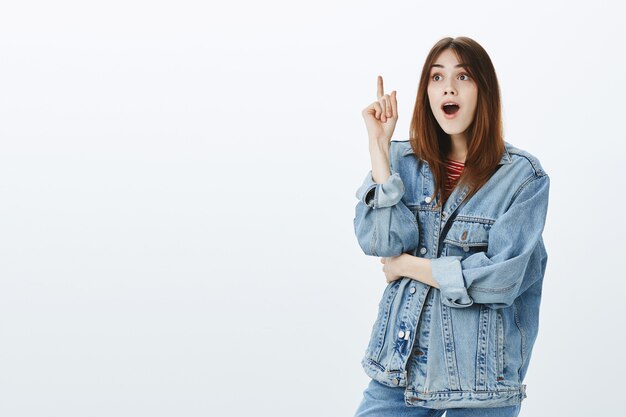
point(533, 163)
point(522, 186)
point(446, 393)
point(523, 339)
point(494, 290)
point(373, 239)
point(474, 219)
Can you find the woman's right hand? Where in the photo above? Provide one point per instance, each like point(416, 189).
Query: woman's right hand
point(381, 116)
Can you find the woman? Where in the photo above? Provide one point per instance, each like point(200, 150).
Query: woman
point(457, 215)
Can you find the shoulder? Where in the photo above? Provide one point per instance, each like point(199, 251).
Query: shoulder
point(398, 150)
point(524, 161)
point(526, 175)
point(400, 147)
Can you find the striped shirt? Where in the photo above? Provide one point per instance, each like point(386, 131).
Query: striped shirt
point(453, 170)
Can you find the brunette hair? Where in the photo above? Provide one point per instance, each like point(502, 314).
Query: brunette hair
point(485, 133)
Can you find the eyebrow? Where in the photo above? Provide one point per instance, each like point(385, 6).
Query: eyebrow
point(456, 66)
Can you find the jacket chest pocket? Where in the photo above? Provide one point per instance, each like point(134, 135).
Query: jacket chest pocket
point(467, 236)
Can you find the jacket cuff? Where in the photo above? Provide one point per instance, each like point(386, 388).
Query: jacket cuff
point(447, 271)
point(377, 195)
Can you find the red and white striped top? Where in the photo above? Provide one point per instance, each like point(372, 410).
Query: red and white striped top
point(454, 170)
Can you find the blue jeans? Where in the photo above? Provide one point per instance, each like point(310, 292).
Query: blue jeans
point(382, 401)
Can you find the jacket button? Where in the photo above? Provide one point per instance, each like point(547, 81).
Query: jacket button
point(412, 290)
point(428, 199)
point(423, 250)
point(466, 248)
point(400, 334)
point(395, 381)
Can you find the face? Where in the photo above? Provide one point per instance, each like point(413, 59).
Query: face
point(449, 83)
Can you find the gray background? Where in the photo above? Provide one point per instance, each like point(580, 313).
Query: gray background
point(177, 188)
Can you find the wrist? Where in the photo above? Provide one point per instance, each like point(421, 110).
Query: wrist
point(379, 145)
point(408, 265)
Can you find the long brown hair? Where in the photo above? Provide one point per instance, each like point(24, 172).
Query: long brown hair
point(485, 133)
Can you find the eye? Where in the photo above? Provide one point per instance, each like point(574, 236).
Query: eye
point(467, 77)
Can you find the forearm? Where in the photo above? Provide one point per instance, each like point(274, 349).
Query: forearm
point(379, 155)
point(419, 269)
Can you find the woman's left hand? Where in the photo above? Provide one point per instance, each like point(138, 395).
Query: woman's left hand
point(393, 267)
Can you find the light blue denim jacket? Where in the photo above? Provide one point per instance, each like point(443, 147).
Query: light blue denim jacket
point(471, 338)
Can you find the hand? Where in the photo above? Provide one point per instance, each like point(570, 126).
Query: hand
point(393, 267)
point(381, 116)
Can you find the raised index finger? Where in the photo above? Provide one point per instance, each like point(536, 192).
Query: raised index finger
point(380, 91)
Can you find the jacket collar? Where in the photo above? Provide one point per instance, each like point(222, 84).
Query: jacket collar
point(506, 157)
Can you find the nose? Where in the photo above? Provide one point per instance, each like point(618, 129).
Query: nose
point(449, 90)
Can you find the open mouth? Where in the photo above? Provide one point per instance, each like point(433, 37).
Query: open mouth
point(450, 108)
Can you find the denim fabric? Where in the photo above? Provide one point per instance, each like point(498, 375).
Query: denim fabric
point(382, 401)
point(468, 343)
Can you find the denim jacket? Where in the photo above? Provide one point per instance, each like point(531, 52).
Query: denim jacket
point(469, 342)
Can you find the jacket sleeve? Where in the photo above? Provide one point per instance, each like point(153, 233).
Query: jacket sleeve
point(383, 225)
point(496, 277)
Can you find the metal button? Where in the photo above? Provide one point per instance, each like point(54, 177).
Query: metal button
point(395, 381)
point(423, 250)
point(412, 290)
point(428, 199)
point(466, 248)
point(401, 334)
